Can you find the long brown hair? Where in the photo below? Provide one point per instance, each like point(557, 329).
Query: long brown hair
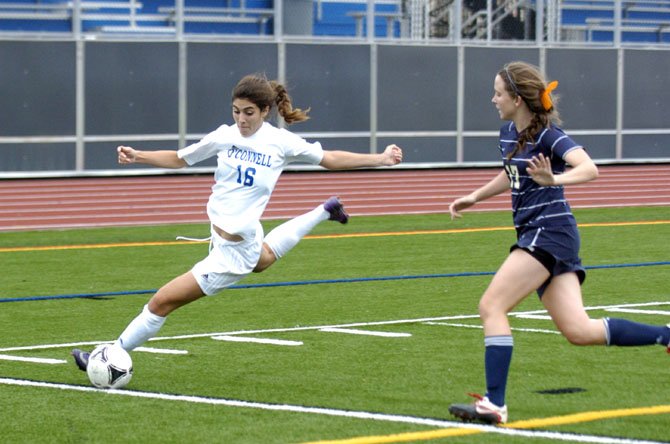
point(526, 81)
point(265, 93)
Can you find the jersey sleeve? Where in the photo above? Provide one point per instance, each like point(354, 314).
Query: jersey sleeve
point(298, 150)
point(204, 149)
point(560, 143)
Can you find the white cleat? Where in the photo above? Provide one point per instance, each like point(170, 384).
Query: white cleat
point(481, 410)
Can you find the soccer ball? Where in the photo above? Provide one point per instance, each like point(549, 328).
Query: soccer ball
point(109, 366)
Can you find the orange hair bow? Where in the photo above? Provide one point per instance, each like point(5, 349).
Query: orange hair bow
point(545, 97)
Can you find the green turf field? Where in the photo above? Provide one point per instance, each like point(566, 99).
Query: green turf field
point(411, 282)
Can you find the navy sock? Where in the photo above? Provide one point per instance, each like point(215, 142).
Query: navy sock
point(627, 333)
point(497, 360)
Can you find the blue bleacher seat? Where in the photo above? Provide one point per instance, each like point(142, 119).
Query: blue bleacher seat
point(644, 21)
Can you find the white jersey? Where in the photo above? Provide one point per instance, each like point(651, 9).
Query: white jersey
point(247, 171)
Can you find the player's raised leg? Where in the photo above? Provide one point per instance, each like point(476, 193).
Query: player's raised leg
point(283, 238)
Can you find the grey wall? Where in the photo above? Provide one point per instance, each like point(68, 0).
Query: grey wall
point(38, 88)
point(66, 105)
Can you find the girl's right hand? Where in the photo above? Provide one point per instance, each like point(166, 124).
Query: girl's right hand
point(461, 204)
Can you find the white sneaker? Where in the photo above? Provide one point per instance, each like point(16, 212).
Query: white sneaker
point(481, 410)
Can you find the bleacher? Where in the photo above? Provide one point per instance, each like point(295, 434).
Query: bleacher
point(252, 17)
point(594, 20)
point(579, 20)
point(136, 16)
point(246, 17)
point(48, 16)
point(347, 18)
point(33, 16)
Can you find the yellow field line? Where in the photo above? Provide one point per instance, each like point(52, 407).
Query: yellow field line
point(324, 236)
point(93, 246)
point(480, 230)
point(526, 424)
point(588, 416)
point(404, 437)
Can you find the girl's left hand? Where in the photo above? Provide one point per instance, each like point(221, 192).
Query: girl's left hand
point(539, 168)
point(392, 155)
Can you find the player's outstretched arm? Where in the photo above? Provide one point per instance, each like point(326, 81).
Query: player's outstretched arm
point(497, 185)
point(161, 159)
point(346, 160)
point(583, 169)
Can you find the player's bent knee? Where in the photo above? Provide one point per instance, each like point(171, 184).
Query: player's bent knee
point(267, 258)
point(489, 309)
point(261, 266)
point(579, 337)
point(577, 340)
point(164, 304)
point(585, 332)
point(158, 307)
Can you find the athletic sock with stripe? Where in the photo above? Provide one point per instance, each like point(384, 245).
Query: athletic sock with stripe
point(497, 360)
point(623, 332)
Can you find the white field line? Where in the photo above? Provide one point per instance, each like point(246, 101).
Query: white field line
point(320, 327)
point(330, 412)
point(633, 311)
point(165, 351)
point(48, 346)
point(530, 330)
point(531, 316)
point(35, 360)
point(256, 340)
point(244, 332)
point(161, 351)
point(351, 331)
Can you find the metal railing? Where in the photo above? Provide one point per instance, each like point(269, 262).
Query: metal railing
point(616, 21)
point(550, 32)
point(539, 21)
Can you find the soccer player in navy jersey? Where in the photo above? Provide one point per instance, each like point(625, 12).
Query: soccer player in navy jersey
point(535, 153)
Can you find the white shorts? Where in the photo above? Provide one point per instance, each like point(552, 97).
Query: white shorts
point(228, 262)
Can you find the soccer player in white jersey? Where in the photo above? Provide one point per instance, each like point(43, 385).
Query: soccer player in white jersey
point(545, 258)
point(251, 155)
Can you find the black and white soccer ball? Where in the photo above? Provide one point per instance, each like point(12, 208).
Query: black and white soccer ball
point(109, 366)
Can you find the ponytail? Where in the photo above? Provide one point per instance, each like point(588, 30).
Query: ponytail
point(265, 93)
point(285, 107)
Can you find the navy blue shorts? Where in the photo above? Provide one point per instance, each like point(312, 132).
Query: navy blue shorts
point(556, 248)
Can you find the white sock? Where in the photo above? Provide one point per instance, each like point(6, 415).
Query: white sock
point(287, 235)
point(140, 329)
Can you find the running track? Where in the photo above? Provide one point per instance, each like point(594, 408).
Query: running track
point(37, 204)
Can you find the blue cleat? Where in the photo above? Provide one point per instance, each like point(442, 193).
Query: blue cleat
point(336, 210)
point(80, 358)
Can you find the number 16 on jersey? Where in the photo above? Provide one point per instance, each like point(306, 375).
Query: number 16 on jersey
point(245, 177)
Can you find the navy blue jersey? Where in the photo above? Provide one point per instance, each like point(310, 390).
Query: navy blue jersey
point(534, 205)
